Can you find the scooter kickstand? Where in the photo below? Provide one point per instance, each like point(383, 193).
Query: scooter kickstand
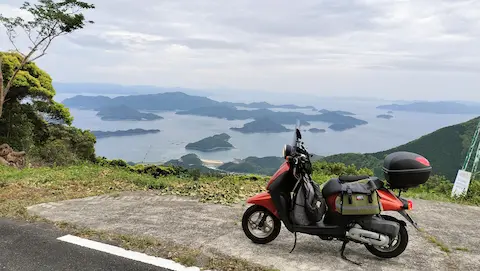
point(342, 251)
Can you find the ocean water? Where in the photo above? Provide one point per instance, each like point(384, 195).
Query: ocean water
point(179, 130)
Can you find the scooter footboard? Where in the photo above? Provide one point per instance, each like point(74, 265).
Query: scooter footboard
point(264, 199)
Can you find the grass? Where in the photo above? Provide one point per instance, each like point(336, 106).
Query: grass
point(22, 188)
point(436, 242)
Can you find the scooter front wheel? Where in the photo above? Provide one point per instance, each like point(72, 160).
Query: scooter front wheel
point(260, 225)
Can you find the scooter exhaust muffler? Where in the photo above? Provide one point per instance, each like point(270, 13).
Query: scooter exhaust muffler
point(368, 237)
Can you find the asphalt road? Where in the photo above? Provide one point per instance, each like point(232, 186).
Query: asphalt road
point(34, 246)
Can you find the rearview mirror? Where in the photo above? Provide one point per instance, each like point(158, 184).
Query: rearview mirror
point(299, 135)
point(287, 151)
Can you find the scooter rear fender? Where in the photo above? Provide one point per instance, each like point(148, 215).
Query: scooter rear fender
point(390, 202)
point(264, 199)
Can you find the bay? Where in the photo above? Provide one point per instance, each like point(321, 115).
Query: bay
point(179, 130)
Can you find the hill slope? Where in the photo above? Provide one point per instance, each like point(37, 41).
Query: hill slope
point(445, 148)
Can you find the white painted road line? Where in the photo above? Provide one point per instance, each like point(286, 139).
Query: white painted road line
point(132, 255)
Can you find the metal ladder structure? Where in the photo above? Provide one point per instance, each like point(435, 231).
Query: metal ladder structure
point(475, 143)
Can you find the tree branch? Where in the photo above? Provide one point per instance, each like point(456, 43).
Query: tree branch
point(50, 39)
point(11, 38)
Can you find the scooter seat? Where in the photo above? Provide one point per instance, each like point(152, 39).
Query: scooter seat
point(331, 187)
point(334, 186)
point(352, 178)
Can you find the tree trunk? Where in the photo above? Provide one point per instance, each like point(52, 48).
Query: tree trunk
point(1, 100)
point(1, 88)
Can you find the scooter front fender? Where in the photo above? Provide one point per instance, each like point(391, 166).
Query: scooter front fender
point(265, 200)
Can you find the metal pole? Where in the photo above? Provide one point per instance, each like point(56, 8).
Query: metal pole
point(475, 162)
point(472, 147)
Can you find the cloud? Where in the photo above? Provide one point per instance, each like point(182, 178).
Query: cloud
point(278, 45)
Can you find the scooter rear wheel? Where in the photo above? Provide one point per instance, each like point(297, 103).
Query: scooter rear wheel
point(260, 234)
point(397, 247)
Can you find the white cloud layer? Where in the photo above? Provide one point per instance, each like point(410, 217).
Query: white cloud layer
point(422, 49)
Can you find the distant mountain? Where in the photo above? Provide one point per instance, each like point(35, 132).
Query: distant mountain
point(384, 116)
point(445, 148)
point(130, 132)
point(231, 113)
point(435, 107)
point(123, 112)
point(105, 88)
point(88, 102)
point(170, 101)
point(262, 125)
point(212, 143)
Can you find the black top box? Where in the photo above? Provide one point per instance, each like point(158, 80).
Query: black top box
point(404, 170)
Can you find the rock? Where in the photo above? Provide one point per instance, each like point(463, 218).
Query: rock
point(9, 157)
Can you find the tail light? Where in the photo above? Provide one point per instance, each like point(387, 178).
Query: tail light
point(410, 205)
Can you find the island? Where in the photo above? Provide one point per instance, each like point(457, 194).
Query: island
point(168, 101)
point(443, 107)
point(385, 116)
point(262, 125)
point(185, 104)
point(390, 112)
point(255, 165)
point(190, 161)
point(213, 143)
point(345, 113)
point(231, 113)
point(316, 130)
point(130, 132)
point(123, 112)
point(164, 101)
point(267, 165)
point(265, 105)
point(338, 127)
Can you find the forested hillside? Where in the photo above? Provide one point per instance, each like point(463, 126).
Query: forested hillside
point(445, 148)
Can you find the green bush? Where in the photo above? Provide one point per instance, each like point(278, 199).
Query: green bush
point(154, 170)
point(440, 188)
point(53, 153)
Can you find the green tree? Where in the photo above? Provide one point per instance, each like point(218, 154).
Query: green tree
point(49, 20)
point(34, 122)
point(29, 103)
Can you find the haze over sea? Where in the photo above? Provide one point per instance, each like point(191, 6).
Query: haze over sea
point(179, 130)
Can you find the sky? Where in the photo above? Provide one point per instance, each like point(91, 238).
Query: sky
point(422, 49)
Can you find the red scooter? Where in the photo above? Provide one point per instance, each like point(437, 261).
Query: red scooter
point(384, 236)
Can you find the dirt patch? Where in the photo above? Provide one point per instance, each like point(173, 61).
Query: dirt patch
point(214, 227)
